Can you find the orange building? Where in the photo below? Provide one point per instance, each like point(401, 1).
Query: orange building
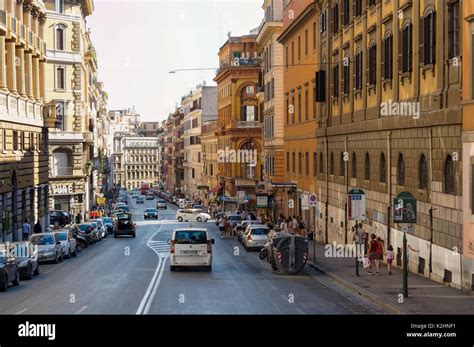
point(299, 38)
point(239, 123)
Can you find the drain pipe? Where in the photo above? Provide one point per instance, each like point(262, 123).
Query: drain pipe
point(430, 200)
point(327, 191)
point(347, 187)
point(389, 181)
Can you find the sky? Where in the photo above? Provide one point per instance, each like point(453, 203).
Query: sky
point(138, 42)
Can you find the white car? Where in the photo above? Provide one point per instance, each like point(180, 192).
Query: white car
point(100, 227)
point(191, 215)
point(68, 243)
point(190, 247)
point(255, 236)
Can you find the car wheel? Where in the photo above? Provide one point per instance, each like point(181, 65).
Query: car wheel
point(156, 218)
point(68, 254)
point(199, 219)
point(16, 281)
point(29, 275)
point(61, 258)
point(4, 284)
point(180, 219)
point(115, 235)
point(56, 260)
point(172, 268)
point(37, 271)
point(74, 254)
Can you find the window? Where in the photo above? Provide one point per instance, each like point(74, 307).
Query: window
point(287, 162)
point(372, 3)
point(335, 80)
point(323, 22)
point(315, 164)
point(60, 38)
point(293, 107)
point(449, 175)
point(192, 173)
point(314, 35)
point(401, 170)
point(423, 173)
point(299, 105)
point(358, 72)
point(358, 8)
point(345, 76)
point(387, 62)
point(306, 103)
point(292, 53)
point(287, 109)
point(15, 140)
point(59, 6)
point(60, 78)
point(383, 168)
point(372, 61)
point(286, 57)
point(429, 38)
point(306, 42)
point(300, 164)
point(407, 48)
point(248, 113)
point(342, 165)
point(306, 164)
point(299, 49)
point(453, 29)
point(354, 166)
point(346, 12)
point(335, 18)
point(321, 163)
point(293, 163)
point(367, 166)
point(331, 164)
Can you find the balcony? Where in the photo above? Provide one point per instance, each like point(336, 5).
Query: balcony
point(64, 137)
point(3, 21)
point(238, 62)
point(249, 124)
point(13, 25)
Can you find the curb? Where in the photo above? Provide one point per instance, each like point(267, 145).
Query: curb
point(362, 292)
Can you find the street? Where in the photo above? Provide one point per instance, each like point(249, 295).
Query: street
point(132, 276)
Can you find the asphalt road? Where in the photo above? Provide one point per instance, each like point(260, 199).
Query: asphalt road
point(132, 276)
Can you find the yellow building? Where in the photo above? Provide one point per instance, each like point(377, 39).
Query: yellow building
point(209, 178)
point(239, 123)
point(69, 84)
point(23, 138)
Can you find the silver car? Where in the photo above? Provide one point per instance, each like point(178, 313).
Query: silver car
point(48, 246)
point(255, 236)
point(100, 227)
point(68, 243)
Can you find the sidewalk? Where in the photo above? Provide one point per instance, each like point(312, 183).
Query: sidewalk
point(424, 295)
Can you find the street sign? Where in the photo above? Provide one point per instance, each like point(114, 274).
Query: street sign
point(304, 202)
point(313, 200)
point(262, 201)
point(356, 204)
point(404, 208)
point(100, 201)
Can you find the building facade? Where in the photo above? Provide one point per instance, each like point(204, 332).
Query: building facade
point(209, 178)
point(141, 158)
point(23, 138)
point(239, 121)
point(148, 129)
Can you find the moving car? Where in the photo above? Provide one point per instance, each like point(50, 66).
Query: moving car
point(140, 200)
point(192, 215)
point(151, 213)
point(124, 225)
point(109, 224)
point(68, 243)
point(161, 204)
point(9, 272)
point(190, 247)
point(134, 195)
point(49, 247)
point(150, 195)
point(27, 259)
point(255, 236)
point(59, 218)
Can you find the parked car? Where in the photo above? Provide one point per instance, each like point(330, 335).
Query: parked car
point(241, 228)
point(140, 200)
point(49, 247)
point(98, 232)
point(109, 224)
point(161, 204)
point(124, 225)
point(89, 231)
point(101, 227)
point(190, 247)
point(27, 259)
point(68, 243)
point(9, 271)
point(151, 213)
point(59, 218)
point(255, 236)
point(192, 215)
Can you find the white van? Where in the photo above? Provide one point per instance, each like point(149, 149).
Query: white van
point(190, 247)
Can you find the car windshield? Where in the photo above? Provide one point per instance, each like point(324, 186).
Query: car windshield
point(108, 220)
point(123, 216)
point(259, 231)
point(94, 224)
point(84, 227)
point(62, 236)
point(150, 210)
point(190, 237)
point(42, 240)
point(162, 201)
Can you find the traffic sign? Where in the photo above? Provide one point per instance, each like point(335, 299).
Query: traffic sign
point(313, 200)
point(356, 204)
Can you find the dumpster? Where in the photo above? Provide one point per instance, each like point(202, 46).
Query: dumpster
point(289, 254)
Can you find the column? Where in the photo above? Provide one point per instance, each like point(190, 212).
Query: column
point(3, 65)
point(11, 63)
point(42, 67)
point(20, 71)
point(36, 78)
point(29, 75)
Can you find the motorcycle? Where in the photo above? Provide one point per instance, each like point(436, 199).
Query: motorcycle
point(81, 239)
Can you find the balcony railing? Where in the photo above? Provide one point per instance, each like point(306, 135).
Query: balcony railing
point(13, 24)
point(249, 124)
point(3, 17)
point(38, 46)
point(22, 31)
point(30, 38)
point(238, 63)
point(61, 171)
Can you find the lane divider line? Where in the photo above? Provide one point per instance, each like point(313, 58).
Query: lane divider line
point(21, 311)
point(82, 309)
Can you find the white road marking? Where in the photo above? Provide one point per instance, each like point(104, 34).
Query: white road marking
point(157, 283)
point(82, 309)
point(20, 312)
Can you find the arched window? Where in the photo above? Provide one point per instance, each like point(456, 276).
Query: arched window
point(331, 164)
point(423, 173)
point(321, 163)
point(367, 166)
point(449, 181)
point(342, 165)
point(60, 32)
point(354, 166)
point(401, 170)
point(428, 45)
point(61, 162)
point(387, 61)
point(383, 168)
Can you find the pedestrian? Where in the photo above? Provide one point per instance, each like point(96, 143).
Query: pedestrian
point(380, 249)
point(301, 226)
point(91, 214)
point(227, 227)
point(25, 230)
point(373, 254)
point(294, 225)
point(222, 226)
point(281, 219)
point(37, 229)
point(78, 218)
point(283, 226)
point(389, 255)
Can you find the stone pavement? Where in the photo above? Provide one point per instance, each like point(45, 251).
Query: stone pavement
point(424, 296)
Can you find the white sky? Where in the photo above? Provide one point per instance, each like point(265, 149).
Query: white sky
point(139, 41)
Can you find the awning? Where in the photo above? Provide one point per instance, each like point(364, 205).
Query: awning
point(216, 189)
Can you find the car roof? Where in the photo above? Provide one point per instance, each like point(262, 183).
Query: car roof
point(190, 229)
point(44, 234)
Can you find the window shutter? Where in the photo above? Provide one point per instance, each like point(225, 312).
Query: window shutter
point(401, 45)
point(410, 47)
point(383, 57)
point(433, 41)
point(367, 67)
point(342, 13)
point(422, 32)
point(331, 19)
point(354, 69)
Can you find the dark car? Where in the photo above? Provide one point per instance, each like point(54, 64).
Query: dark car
point(109, 224)
point(124, 225)
point(9, 272)
point(151, 213)
point(59, 218)
point(140, 200)
point(27, 259)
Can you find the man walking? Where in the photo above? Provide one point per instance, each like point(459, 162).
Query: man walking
point(25, 230)
point(37, 228)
